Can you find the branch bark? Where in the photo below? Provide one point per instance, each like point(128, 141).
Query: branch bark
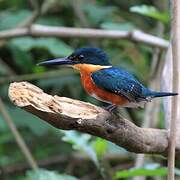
point(174, 126)
point(69, 114)
point(48, 31)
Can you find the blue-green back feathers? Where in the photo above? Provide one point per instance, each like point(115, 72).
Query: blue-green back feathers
point(121, 82)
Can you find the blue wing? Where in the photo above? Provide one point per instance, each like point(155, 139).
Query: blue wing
point(120, 82)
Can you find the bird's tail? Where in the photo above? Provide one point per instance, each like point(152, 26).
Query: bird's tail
point(155, 94)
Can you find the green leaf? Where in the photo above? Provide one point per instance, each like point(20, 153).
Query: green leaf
point(115, 149)
point(22, 59)
point(177, 171)
point(81, 142)
point(118, 26)
point(50, 20)
point(152, 12)
point(47, 175)
point(10, 19)
point(98, 14)
point(13, 4)
point(100, 146)
point(55, 46)
point(141, 172)
point(26, 120)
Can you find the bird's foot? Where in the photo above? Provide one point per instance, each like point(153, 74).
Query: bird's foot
point(111, 108)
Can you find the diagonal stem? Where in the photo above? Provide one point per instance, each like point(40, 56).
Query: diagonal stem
point(17, 136)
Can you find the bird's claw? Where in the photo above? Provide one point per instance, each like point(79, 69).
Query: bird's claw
point(110, 108)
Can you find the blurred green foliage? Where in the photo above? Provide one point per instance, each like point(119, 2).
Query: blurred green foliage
point(81, 142)
point(20, 55)
point(150, 170)
point(141, 172)
point(152, 12)
point(47, 175)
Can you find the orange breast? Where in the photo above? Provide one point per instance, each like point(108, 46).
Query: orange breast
point(98, 93)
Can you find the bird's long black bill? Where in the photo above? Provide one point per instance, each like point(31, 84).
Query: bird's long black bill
point(59, 61)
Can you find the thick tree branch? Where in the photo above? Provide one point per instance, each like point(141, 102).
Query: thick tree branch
point(48, 31)
point(69, 114)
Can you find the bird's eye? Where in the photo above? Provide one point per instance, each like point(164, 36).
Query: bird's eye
point(80, 57)
point(71, 57)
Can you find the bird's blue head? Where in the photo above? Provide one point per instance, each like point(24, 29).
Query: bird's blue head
point(86, 55)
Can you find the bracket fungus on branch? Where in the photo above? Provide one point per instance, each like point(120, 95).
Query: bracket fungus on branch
point(69, 114)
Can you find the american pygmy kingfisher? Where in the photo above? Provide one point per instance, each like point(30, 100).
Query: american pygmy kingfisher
point(106, 83)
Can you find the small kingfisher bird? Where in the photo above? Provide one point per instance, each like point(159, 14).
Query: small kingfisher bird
point(104, 82)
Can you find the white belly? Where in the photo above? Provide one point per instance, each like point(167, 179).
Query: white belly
point(100, 99)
